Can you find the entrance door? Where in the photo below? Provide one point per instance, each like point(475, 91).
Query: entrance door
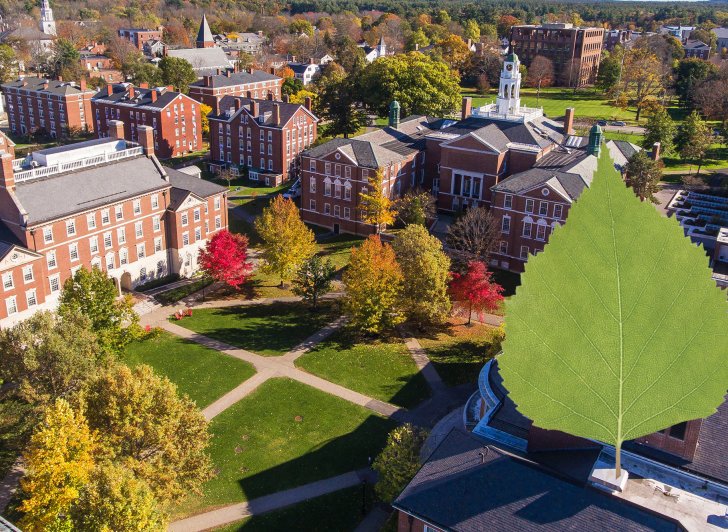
point(336, 229)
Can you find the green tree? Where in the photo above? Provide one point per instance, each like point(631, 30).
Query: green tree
point(301, 26)
point(177, 72)
point(643, 76)
point(373, 282)
point(313, 279)
point(375, 206)
point(417, 39)
point(660, 128)
point(59, 460)
point(690, 73)
point(453, 51)
point(415, 207)
point(420, 84)
point(48, 356)
point(287, 242)
point(399, 461)
point(8, 63)
point(66, 61)
point(291, 86)
point(643, 175)
point(145, 426)
point(337, 104)
point(617, 372)
point(115, 500)
point(705, 35)
point(471, 30)
point(610, 70)
point(93, 294)
point(426, 271)
point(139, 72)
point(693, 139)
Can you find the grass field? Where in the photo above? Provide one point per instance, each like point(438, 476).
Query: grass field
point(266, 329)
point(203, 374)
point(381, 369)
point(459, 351)
point(286, 434)
point(337, 249)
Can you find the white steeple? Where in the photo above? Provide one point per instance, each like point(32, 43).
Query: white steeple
point(509, 91)
point(47, 24)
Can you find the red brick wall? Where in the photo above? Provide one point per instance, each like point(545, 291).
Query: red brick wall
point(407, 523)
point(59, 113)
point(685, 448)
point(212, 96)
point(21, 287)
point(138, 38)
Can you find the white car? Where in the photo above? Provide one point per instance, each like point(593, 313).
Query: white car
point(294, 191)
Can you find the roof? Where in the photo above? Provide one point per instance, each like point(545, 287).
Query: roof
point(265, 109)
point(712, 452)
point(61, 195)
point(201, 187)
point(569, 183)
point(695, 45)
point(621, 151)
point(203, 60)
point(235, 78)
point(721, 33)
point(541, 132)
point(470, 485)
point(38, 84)
point(204, 34)
point(26, 33)
point(300, 68)
point(142, 97)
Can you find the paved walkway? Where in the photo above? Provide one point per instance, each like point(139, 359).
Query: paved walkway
point(374, 520)
point(268, 503)
point(419, 355)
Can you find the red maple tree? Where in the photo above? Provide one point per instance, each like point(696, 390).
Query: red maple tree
point(475, 290)
point(224, 258)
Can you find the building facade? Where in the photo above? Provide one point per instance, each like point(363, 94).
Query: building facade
point(211, 89)
point(575, 51)
point(697, 49)
point(264, 137)
point(174, 117)
point(55, 106)
point(138, 36)
point(105, 203)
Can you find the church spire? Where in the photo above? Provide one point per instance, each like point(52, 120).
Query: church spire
point(47, 23)
point(204, 35)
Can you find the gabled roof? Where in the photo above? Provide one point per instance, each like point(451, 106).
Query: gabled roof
point(235, 78)
point(142, 97)
point(26, 33)
point(38, 84)
point(570, 183)
point(721, 33)
point(621, 151)
point(300, 68)
point(204, 34)
point(265, 109)
point(541, 133)
point(695, 45)
point(203, 60)
point(186, 182)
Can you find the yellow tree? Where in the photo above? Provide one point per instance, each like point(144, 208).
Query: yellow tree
point(374, 205)
point(643, 76)
point(204, 121)
point(287, 242)
point(59, 461)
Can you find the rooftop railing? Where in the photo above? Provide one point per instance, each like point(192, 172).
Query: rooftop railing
point(44, 171)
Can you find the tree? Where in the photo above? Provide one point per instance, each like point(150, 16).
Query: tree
point(287, 242)
point(476, 290)
point(373, 282)
point(541, 73)
point(59, 460)
point(415, 207)
point(693, 139)
point(643, 175)
point(642, 76)
point(204, 121)
point(66, 61)
point(114, 499)
point(454, 51)
point(177, 72)
point(660, 128)
point(471, 30)
point(224, 258)
point(337, 104)
point(421, 85)
point(375, 206)
point(615, 372)
point(143, 424)
point(705, 35)
point(301, 26)
point(711, 97)
point(48, 356)
point(313, 279)
point(142, 72)
point(291, 86)
point(416, 40)
point(94, 295)
point(426, 271)
point(473, 236)
point(8, 63)
point(690, 74)
point(610, 70)
point(505, 23)
point(399, 461)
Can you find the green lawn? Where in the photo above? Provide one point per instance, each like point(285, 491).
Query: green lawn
point(459, 352)
point(382, 369)
point(286, 434)
point(203, 374)
point(338, 249)
point(267, 329)
point(176, 294)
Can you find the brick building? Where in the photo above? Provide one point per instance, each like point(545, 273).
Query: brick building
point(174, 116)
point(138, 36)
point(699, 49)
point(55, 106)
point(104, 203)
point(211, 89)
point(263, 136)
point(575, 51)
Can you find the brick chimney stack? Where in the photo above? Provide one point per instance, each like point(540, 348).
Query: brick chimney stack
point(237, 103)
point(307, 103)
point(277, 114)
point(466, 108)
point(116, 129)
point(286, 99)
point(82, 84)
point(7, 177)
point(144, 85)
point(131, 92)
point(228, 73)
point(270, 96)
point(569, 121)
point(254, 109)
point(273, 71)
point(208, 81)
point(109, 89)
point(656, 147)
point(248, 94)
point(145, 134)
point(154, 95)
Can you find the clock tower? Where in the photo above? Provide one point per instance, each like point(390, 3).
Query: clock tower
point(509, 91)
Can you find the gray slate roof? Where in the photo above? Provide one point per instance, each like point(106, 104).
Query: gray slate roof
point(467, 485)
point(26, 33)
point(521, 182)
point(264, 106)
point(142, 97)
point(38, 84)
point(711, 457)
point(541, 132)
point(721, 33)
point(299, 68)
point(235, 78)
point(695, 45)
point(204, 61)
point(201, 187)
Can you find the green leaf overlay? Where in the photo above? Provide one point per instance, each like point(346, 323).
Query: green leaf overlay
point(617, 330)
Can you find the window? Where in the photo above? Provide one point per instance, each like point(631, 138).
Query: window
point(73, 251)
point(141, 252)
point(506, 225)
point(185, 238)
point(337, 211)
point(156, 224)
point(327, 208)
point(217, 203)
point(541, 232)
point(558, 211)
point(218, 222)
point(196, 215)
point(327, 188)
point(30, 298)
point(8, 281)
point(155, 201)
point(28, 274)
point(143, 274)
point(327, 169)
point(121, 235)
point(524, 252)
point(543, 208)
point(91, 220)
point(198, 234)
point(47, 234)
point(529, 205)
point(12, 305)
point(347, 213)
point(312, 165)
point(503, 248)
point(347, 192)
point(312, 205)
point(110, 261)
point(138, 229)
point(184, 219)
point(70, 227)
point(93, 244)
point(508, 201)
point(119, 209)
point(347, 171)
point(157, 244)
point(51, 258)
point(137, 206)
point(54, 282)
point(527, 229)
point(678, 431)
point(107, 240)
point(123, 257)
point(105, 217)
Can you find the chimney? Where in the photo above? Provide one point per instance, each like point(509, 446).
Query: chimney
point(208, 81)
point(417, 47)
point(276, 114)
point(46, 84)
point(311, 61)
point(307, 103)
point(109, 89)
point(237, 103)
point(656, 147)
point(466, 108)
point(270, 96)
point(144, 85)
point(228, 73)
point(248, 94)
point(569, 121)
point(131, 92)
point(7, 179)
point(60, 78)
point(254, 108)
point(145, 134)
point(219, 71)
point(286, 98)
point(82, 84)
point(153, 94)
point(595, 140)
point(273, 71)
point(116, 129)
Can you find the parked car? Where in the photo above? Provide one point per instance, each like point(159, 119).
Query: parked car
point(618, 123)
point(601, 123)
point(294, 191)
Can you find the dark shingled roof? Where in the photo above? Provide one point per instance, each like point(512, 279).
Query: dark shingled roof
point(627, 148)
point(711, 456)
point(142, 97)
point(299, 68)
point(235, 78)
point(201, 187)
point(542, 132)
point(38, 84)
point(572, 184)
point(264, 106)
point(204, 34)
point(468, 486)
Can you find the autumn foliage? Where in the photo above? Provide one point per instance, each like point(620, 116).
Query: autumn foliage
point(475, 291)
point(224, 258)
